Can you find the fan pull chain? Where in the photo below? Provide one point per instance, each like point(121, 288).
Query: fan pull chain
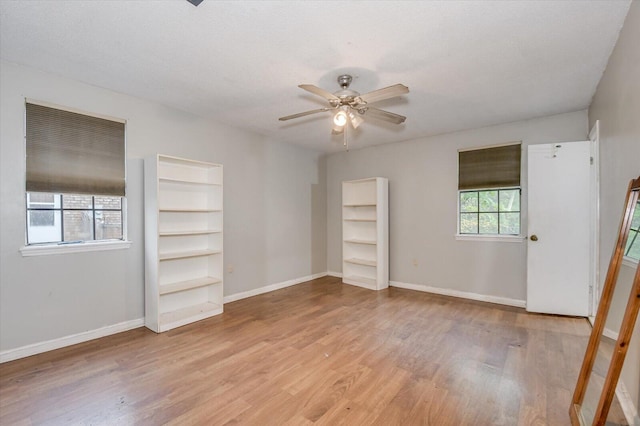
point(346, 142)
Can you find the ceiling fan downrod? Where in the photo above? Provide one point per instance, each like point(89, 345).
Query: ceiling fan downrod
point(344, 81)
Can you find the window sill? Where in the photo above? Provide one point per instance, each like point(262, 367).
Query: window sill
point(496, 238)
point(47, 249)
point(632, 263)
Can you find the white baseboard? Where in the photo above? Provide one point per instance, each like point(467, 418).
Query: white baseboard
point(271, 287)
point(628, 407)
point(49, 345)
point(461, 294)
point(606, 332)
point(85, 336)
point(36, 348)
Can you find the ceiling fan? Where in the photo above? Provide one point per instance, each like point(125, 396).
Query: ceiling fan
point(351, 106)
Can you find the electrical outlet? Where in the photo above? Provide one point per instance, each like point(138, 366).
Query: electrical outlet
point(415, 262)
point(230, 269)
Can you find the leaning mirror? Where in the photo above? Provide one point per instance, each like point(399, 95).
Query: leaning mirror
point(611, 334)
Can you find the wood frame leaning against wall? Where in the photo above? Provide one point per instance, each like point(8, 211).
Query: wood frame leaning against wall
point(607, 392)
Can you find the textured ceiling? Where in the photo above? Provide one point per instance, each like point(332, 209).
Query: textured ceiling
point(467, 64)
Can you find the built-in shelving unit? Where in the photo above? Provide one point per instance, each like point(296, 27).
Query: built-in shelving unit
point(365, 233)
point(183, 241)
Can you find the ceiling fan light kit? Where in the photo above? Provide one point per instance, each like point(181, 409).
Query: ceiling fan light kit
point(340, 119)
point(351, 106)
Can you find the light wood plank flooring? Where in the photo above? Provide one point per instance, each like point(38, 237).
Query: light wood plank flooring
point(316, 353)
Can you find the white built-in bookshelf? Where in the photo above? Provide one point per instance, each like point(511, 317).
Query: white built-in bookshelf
point(183, 241)
point(365, 233)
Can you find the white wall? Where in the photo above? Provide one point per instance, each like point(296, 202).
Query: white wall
point(423, 207)
point(273, 193)
point(617, 105)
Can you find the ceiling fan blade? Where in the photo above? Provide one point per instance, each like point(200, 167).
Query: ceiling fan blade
point(302, 114)
point(385, 115)
point(320, 92)
point(385, 93)
point(355, 118)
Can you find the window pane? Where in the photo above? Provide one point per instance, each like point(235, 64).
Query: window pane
point(468, 223)
point(108, 225)
point(108, 203)
point(42, 218)
point(42, 200)
point(635, 222)
point(510, 200)
point(510, 223)
point(43, 226)
point(78, 225)
point(41, 197)
point(633, 245)
point(489, 223)
point(74, 201)
point(489, 203)
point(469, 201)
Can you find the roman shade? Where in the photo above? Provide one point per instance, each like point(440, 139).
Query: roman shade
point(495, 167)
point(74, 153)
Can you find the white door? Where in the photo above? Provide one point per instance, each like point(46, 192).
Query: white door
point(559, 228)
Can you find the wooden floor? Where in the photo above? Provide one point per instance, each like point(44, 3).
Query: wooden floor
point(316, 353)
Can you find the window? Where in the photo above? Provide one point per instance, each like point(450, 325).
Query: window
point(632, 249)
point(489, 191)
point(490, 212)
point(73, 217)
point(75, 182)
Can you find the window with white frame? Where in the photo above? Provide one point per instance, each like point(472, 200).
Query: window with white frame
point(73, 218)
point(75, 181)
point(489, 190)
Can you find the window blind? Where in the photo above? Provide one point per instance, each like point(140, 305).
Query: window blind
point(74, 153)
point(497, 167)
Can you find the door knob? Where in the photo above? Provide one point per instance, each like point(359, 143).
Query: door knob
point(534, 237)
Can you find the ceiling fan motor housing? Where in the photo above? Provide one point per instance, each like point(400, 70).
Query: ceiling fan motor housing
point(347, 96)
